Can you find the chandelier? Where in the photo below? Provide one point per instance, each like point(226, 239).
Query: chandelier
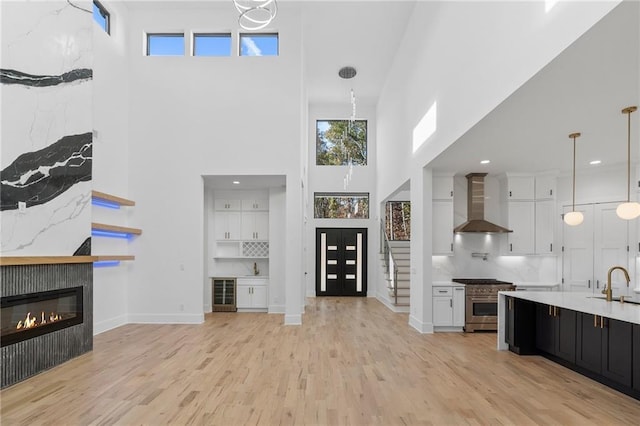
point(255, 14)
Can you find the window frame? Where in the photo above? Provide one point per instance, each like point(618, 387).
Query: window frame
point(366, 130)
point(212, 35)
point(105, 14)
point(364, 195)
point(164, 34)
point(258, 34)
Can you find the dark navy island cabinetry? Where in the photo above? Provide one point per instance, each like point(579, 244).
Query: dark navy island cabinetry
point(597, 346)
point(604, 347)
point(520, 326)
point(556, 331)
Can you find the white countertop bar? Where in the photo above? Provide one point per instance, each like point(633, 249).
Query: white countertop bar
point(580, 302)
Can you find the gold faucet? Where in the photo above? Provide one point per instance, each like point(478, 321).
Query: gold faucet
point(607, 290)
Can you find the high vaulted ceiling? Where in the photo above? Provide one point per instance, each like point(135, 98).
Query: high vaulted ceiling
point(583, 90)
point(362, 34)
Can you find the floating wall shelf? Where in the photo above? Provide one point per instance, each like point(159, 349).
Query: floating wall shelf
point(114, 231)
point(108, 200)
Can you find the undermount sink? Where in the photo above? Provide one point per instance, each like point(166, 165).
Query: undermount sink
point(617, 299)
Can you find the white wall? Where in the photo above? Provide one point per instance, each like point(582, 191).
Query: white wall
point(449, 58)
point(204, 116)
point(110, 164)
point(331, 179)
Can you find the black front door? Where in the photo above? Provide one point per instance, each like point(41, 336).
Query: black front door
point(341, 261)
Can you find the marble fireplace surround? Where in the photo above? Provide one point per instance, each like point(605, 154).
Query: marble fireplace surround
point(30, 357)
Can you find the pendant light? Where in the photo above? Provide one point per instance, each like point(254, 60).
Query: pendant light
point(629, 210)
point(574, 218)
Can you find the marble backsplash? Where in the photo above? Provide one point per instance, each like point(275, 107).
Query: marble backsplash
point(506, 268)
point(46, 153)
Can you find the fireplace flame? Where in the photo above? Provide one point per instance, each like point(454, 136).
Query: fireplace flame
point(32, 321)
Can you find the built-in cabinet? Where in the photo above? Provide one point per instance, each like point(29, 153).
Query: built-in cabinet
point(591, 248)
point(442, 215)
point(255, 226)
point(448, 308)
point(252, 293)
point(241, 228)
point(556, 331)
point(520, 325)
point(602, 348)
point(529, 213)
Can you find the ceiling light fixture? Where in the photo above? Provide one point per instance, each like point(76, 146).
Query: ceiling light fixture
point(595, 162)
point(235, 182)
point(485, 161)
point(629, 210)
point(574, 218)
point(255, 14)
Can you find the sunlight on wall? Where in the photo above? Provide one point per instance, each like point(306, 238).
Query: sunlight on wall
point(425, 128)
point(548, 5)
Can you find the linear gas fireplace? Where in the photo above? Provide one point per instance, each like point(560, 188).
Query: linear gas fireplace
point(47, 317)
point(30, 315)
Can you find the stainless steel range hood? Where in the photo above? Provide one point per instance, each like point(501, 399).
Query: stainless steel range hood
point(475, 208)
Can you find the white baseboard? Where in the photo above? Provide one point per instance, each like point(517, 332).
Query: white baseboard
point(392, 307)
point(422, 327)
point(208, 309)
point(276, 309)
point(109, 324)
point(293, 319)
point(166, 318)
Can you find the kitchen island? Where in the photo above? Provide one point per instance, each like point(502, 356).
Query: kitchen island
point(581, 331)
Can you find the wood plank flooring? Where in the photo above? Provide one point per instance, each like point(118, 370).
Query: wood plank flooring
point(351, 362)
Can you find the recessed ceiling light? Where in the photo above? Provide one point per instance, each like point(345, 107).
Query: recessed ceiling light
point(236, 182)
point(485, 161)
point(594, 162)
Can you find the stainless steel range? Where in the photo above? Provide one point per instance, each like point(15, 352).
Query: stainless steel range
point(481, 305)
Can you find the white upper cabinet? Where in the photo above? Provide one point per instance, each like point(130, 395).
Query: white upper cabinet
point(442, 215)
point(255, 226)
point(520, 188)
point(222, 205)
point(522, 223)
point(255, 205)
point(442, 222)
point(442, 188)
point(545, 223)
point(545, 187)
point(227, 226)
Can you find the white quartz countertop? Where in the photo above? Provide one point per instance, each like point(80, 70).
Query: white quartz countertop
point(583, 302)
point(446, 284)
point(536, 284)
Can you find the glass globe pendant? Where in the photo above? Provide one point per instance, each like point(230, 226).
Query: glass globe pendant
point(631, 209)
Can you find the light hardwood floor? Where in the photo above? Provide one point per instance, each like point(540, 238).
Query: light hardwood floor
point(351, 362)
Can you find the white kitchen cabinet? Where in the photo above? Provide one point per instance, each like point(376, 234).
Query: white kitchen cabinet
point(545, 187)
point(459, 306)
point(255, 226)
point(255, 205)
point(520, 188)
point(594, 246)
point(224, 205)
point(442, 215)
point(252, 293)
point(448, 308)
point(544, 227)
point(227, 226)
point(442, 188)
point(442, 222)
point(521, 220)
